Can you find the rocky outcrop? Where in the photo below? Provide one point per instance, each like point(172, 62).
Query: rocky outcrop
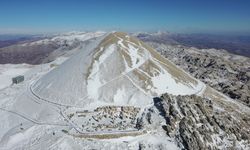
point(227, 73)
point(199, 123)
point(210, 121)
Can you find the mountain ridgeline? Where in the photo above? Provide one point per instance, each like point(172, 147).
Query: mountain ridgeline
point(115, 87)
point(120, 70)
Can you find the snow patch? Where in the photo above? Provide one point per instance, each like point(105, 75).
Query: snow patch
point(119, 96)
point(94, 82)
point(164, 83)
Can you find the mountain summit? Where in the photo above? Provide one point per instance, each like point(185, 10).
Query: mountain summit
point(120, 70)
point(115, 87)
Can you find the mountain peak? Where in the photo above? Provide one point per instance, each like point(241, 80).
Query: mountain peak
point(115, 69)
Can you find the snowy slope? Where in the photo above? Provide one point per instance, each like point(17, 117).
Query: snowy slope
point(8, 71)
point(114, 69)
point(117, 70)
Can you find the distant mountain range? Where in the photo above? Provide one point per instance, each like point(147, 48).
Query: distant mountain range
point(234, 44)
point(7, 40)
point(37, 49)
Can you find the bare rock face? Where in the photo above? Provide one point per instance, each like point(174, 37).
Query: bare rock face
point(225, 72)
point(196, 122)
point(199, 123)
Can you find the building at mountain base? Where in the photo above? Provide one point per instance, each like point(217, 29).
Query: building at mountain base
point(17, 79)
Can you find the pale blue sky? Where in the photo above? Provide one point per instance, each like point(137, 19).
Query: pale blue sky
point(192, 16)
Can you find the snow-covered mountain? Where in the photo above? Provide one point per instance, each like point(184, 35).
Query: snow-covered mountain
point(46, 49)
point(116, 92)
point(68, 38)
point(120, 70)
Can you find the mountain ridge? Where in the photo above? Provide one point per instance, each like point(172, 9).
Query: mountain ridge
point(130, 61)
point(116, 92)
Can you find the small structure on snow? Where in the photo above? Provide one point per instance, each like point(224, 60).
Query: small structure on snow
point(17, 79)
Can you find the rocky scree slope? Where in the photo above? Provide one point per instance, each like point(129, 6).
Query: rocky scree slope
point(197, 122)
point(225, 72)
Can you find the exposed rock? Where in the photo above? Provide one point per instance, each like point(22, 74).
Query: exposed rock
point(227, 73)
point(202, 123)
